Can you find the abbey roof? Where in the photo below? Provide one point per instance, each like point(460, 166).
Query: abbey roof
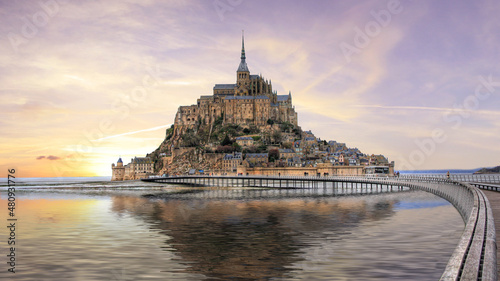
point(224, 86)
point(247, 98)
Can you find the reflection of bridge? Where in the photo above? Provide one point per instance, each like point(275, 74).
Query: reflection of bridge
point(475, 257)
point(274, 193)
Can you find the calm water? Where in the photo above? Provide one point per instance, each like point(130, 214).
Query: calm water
point(138, 231)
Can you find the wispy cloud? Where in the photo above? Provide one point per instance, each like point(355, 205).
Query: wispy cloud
point(402, 107)
point(134, 132)
point(425, 108)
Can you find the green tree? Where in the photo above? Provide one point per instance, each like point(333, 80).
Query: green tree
point(169, 132)
point(297, 132)
point(251, 149)
point(236, 147)
point(256, 138)
point(274, 154)
point(266, 138)
point(286, 127)
point(224, 149)
point(253, 129)
point(261, 148)
point(190, 139)
point(277, 136)
point(226, 141)
point(218, 121)
point(287, 145)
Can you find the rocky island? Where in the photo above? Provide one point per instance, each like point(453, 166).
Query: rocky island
point(494, 170)
point(247, 128)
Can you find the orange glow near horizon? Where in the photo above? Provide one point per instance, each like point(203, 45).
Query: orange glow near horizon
point(43, 210)
point(85, 160)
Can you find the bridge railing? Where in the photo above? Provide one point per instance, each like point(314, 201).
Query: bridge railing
point(486, 178)
point(474, 257)
point(486, 186)
point(482, 178)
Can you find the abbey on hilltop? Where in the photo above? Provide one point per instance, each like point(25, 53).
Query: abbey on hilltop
point(250, 101)
point(247, 128)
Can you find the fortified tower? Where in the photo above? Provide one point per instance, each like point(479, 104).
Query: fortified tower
point(118, 171)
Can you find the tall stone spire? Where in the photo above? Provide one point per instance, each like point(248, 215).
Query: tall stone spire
point(243, 45)
point(243, 64)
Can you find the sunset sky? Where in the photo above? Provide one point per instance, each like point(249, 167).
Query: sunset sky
point(85, 82)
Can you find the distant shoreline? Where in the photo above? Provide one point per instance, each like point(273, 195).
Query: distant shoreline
point(440, 171)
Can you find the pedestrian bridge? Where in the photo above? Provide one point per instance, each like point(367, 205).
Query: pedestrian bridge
point(475, 257)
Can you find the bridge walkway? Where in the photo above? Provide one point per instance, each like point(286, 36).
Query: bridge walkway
point(494, 198)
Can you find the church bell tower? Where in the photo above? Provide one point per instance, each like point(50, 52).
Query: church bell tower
point(242, 74)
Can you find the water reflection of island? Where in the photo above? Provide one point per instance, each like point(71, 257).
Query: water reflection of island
point(251, 239)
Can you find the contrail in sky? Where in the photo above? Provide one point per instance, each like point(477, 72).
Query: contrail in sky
point(479, 111)
point(405, 107)
point(134, 132)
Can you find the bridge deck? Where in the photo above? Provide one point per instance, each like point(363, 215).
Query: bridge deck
point(494, 198)
point(486, 186)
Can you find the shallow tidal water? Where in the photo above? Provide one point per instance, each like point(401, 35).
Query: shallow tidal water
point(174, 233)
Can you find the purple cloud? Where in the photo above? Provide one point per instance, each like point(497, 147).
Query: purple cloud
point(50, 157)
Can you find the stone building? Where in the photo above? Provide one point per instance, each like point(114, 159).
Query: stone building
point(287, 154)
point(138, 168)
point(257, 159)
point(244, 141)
point(249, 101)
point(118, 171)
point(320, 170)
point(230, 162)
